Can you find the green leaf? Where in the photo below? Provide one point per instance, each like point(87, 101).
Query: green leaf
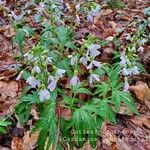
point(84, 90)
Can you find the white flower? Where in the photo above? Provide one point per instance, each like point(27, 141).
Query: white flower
point(94, 63)
point(52, 85)
point(33, 82)
point(78, 7)
point(74, 59)
point(74, 80)
point(2, 2)
point(143, 41)
point(77, 19)
point(135, 70)
point(28, 56)
point(93, 77)
point(127, 36)
point(126, 86)
point(44, 94)
point(17, 17)
point(41, 7)
point(19, 77)
point(37, 69)
point(60, 72)
point(93, 49)
point(126, 72)
point(89, 18)
point(140, 49)
point(49, 60)
point(84, 61)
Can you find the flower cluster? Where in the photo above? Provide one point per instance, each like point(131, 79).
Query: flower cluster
point(128, 67)
point(40, 77)
point(89, 61)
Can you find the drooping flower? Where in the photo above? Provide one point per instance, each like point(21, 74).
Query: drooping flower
point(94, 63)
point(77, 19)
point(17, 17)
point(44, 94)
point(140, 49)
point(128, 37)
point(84, 60)
point(28, 56)
point(53, 83)
point(126, 71)
point(126, 85)
point(60, 72)
point(135, 70)
point(33, 82)
point(93, 50)
point(74, 80)
point(37, 69)
point(49, 60)
point(78, 7)
point(74, 59)
point(93, 78)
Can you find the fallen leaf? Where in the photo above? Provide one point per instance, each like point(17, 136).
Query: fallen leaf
point(141, 120)
point(141, 90)
point(29, 140)
point(17, 143)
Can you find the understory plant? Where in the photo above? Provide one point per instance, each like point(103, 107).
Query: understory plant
point(63, 78)
point(77, 83)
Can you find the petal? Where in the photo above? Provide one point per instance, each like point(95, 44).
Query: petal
point(52, 86)
point(97, 63)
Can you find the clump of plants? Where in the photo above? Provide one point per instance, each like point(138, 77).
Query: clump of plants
point(62, 76)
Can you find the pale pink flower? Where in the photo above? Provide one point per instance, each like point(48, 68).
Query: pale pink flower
point(140, 49)
point(93, 78)
point(126, 86)
point(37, 69)
point(53, 83)
point(60, 72)
point(93, 49)
point(74, 59)
point(33, 82)
point(74, 80)
point(84, 61)
point(44, 94)
point(94, 63)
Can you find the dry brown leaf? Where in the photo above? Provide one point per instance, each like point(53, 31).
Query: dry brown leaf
point(4, 148)
point(121, 145)
point(29, 141)
point(8, 89)
point(141, 120)
point(141, 90)
point(17, 144)
point(8, 96)
point(108, 137)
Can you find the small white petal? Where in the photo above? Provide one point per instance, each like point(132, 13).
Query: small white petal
point(83, 60)
point(97, 63)
point(74, 60)
point(37, 69)
point(126, 86)
point(60, 73)
point(140, 49)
